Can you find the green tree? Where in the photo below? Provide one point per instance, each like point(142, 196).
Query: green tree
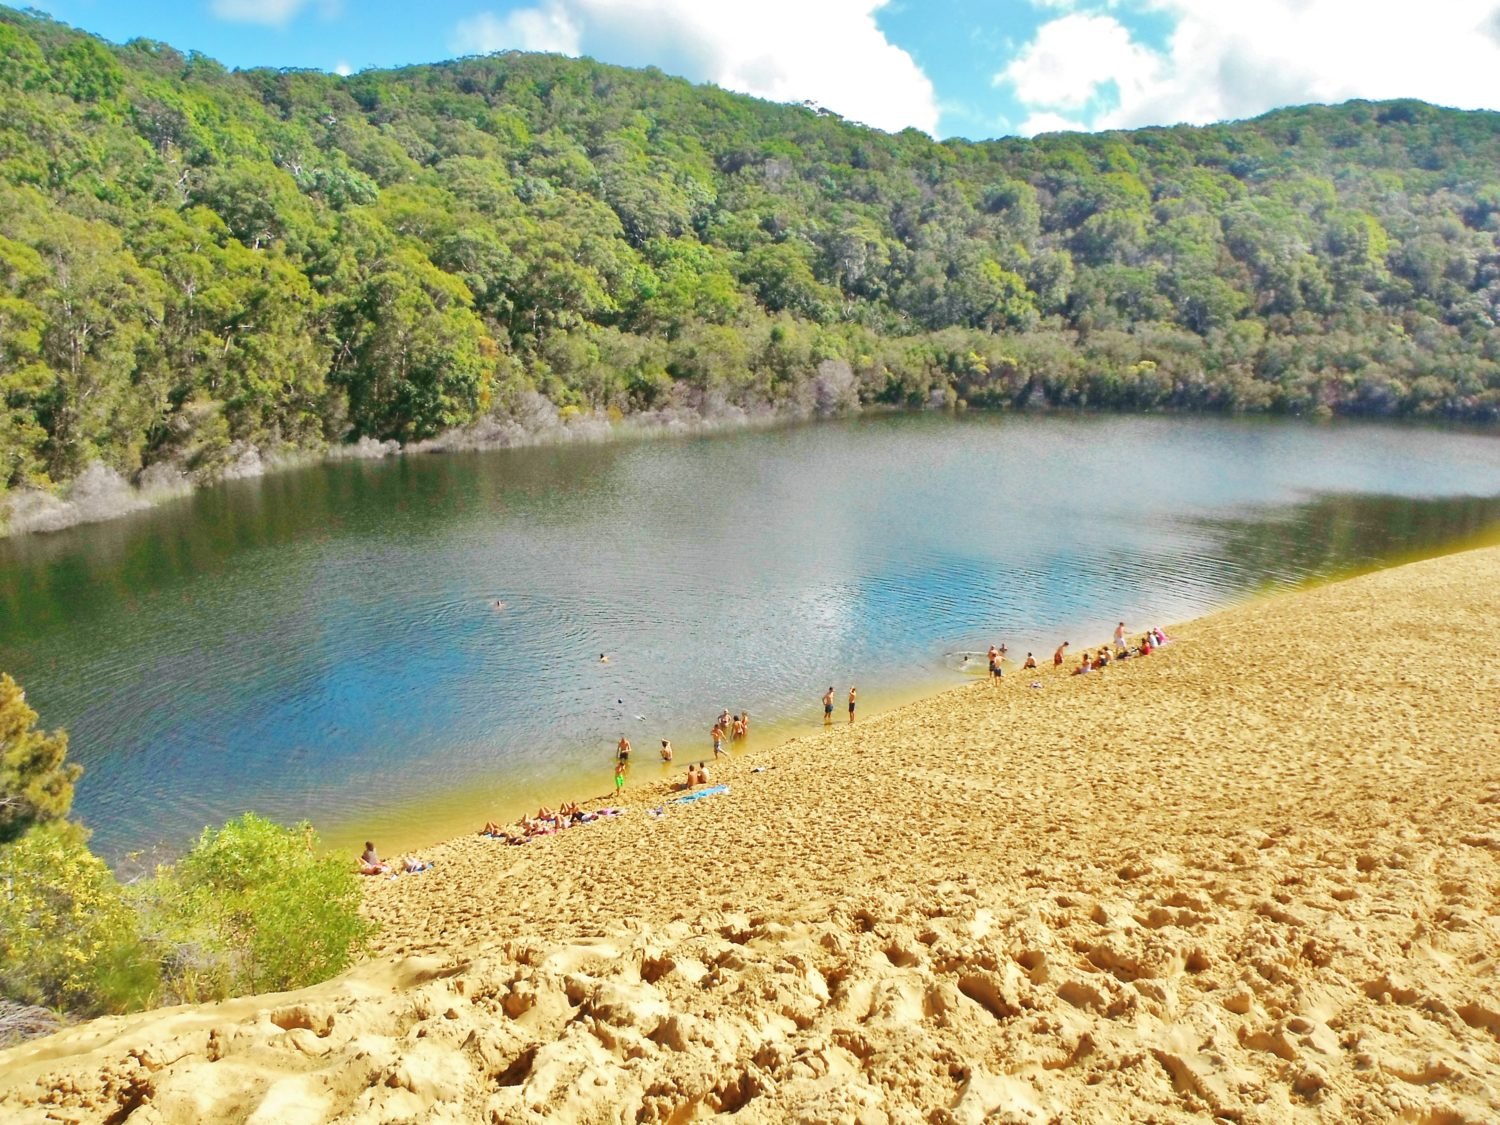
point(36, 781)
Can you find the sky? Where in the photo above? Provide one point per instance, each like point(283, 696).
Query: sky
point(966, 68)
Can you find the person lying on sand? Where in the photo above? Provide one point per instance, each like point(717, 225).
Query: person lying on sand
point(369, 862)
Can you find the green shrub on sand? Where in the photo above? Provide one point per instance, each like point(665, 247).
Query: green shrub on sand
point(254, 907)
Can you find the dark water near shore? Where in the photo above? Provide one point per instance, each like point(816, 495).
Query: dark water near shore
point(323, 643)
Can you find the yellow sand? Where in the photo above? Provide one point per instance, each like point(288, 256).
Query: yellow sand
point(1255, 875)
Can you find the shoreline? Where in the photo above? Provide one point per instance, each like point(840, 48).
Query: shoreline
point(101, 495)
point(429, 820)
point(1250, 877)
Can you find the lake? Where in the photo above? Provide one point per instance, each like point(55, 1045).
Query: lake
point(324, 643)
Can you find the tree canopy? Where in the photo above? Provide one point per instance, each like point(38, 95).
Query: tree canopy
point(194, 260)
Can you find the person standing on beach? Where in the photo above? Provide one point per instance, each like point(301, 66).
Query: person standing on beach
point(1119, 636)
point(1057, 657)
point(620, 767)
point(852, 692)
point(828, 705)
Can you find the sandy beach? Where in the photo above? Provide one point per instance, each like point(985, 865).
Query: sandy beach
point(1254, 876)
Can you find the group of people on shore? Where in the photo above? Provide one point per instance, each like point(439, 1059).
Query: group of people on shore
point(1120, 649)
point(370, 863)
point(828, 703)
point(546, 822)
point(726, 727)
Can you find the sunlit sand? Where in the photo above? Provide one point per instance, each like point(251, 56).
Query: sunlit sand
point(1253, 875)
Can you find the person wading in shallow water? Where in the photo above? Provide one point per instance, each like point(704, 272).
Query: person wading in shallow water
point(828, 705)
point(852, 692)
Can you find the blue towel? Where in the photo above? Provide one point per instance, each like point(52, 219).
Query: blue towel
point(711, 791)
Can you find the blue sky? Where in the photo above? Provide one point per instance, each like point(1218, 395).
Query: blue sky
point(972, 68)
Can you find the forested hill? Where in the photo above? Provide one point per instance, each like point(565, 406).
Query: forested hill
point(196, 261)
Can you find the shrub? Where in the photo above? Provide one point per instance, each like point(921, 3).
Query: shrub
point(68, 938)
point(255, 908)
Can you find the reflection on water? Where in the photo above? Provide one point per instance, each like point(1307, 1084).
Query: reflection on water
point(324, 643)
point(1337, 535)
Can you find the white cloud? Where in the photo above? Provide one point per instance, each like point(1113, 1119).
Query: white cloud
point(528, 29)
point(1050, 123)
point(272, 13)
point(1224, 60)
point(1072, 57)
point(830, 52)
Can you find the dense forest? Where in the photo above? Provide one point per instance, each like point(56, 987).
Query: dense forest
point(197, 262)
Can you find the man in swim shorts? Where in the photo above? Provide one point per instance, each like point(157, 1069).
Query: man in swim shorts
point(1057, 657)
point(828, 705)
point(852, 692)
point(717, 734)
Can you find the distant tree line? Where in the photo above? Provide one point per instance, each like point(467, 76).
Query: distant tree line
point(195, 261)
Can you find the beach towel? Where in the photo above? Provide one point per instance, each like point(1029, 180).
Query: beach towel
point(711, 791)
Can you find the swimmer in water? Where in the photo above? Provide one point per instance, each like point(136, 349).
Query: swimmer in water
point(603, 659)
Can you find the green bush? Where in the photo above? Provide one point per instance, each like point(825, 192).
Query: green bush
point(254, 907)
point(68, 937)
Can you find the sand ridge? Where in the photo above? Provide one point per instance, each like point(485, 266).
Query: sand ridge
point(1254, 876)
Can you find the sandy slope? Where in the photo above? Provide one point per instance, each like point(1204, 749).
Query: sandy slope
point(1255, 875)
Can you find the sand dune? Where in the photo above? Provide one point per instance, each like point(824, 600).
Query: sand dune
point(1255, 876)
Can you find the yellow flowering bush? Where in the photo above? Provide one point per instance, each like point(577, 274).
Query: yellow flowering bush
point(68, 938)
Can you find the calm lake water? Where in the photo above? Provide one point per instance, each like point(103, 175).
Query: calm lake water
point(324, 644)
